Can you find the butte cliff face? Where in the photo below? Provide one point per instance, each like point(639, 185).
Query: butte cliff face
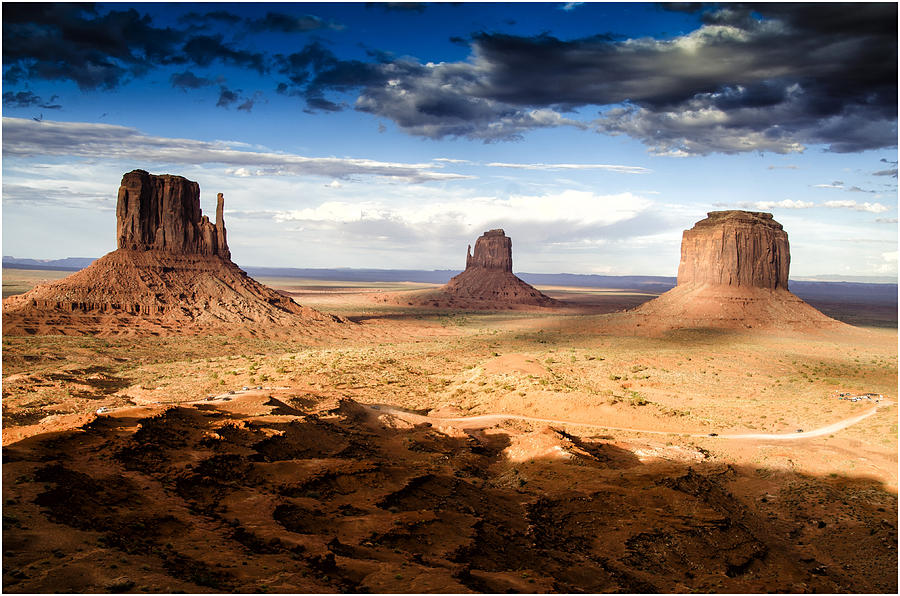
point(488, 281)
point(733, 274)
point(493, 252)
point(163, 213)
point(735, 248)
point(171, 274)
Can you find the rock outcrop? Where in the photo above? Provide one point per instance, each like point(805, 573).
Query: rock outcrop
point(487, 283)
point(493, 252)
point(733, 274)
point(171, 274)
point(163, 213)
point(735, 248)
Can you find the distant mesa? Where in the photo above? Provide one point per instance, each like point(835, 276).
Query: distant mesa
point(487, 283)
point(172, 273)
point(733, 274)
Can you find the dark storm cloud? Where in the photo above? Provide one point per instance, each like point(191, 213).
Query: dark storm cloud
point(203, 50)
point(416, 7)
point(27, 99)
point(188, 80)
point(75, 42)
point(799, 75)
point(755, 77)
point(227, 97)
point(284, 23)
point(201, 19)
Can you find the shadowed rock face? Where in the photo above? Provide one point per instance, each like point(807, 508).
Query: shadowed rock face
point(735, 248)
point(493, 251)
point(163, 213)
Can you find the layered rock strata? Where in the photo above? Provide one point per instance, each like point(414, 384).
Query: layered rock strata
point(733, 274)
point(172, 273)
point(735, 248)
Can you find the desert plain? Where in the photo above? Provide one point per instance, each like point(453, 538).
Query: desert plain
point(416, 449)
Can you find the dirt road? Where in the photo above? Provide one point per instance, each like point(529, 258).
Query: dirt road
point(485, 420)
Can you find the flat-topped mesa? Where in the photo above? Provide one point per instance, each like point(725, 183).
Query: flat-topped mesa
point(162, 212)
point(493, 251)
point(735, 248)
point(733, 275)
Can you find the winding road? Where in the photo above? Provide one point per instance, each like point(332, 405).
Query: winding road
point(485, 420)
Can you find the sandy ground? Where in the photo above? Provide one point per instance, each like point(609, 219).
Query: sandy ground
point(451, 451)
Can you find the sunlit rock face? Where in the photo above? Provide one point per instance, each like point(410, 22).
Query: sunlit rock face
point(733, 275)
point(735, 248)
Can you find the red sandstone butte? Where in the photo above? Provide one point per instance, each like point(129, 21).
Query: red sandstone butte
point(733, 274)
point(735, 248)
point(487, 283)
point(171, 274)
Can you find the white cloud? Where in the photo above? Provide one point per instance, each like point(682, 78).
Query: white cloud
point(785, 204)
point(581, 207)
point(572, 166)
point(27, 138)
point(867, 207)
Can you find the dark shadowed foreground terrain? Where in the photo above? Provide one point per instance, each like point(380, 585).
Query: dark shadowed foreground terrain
point(259, 494)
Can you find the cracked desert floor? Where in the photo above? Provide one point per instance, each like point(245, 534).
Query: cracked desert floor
point(424, 450)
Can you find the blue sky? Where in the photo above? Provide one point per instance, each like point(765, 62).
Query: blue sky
point(393, 135)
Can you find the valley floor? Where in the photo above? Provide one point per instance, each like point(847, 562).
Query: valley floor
point(357, 465)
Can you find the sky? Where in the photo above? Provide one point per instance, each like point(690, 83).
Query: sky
point(392, 135)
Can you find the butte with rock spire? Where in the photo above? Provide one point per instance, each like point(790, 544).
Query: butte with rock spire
point(172, 273)
point(487, 283)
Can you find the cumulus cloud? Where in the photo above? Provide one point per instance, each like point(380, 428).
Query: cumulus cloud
point(567, 216)
point(27, 138)
point(868, 207)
